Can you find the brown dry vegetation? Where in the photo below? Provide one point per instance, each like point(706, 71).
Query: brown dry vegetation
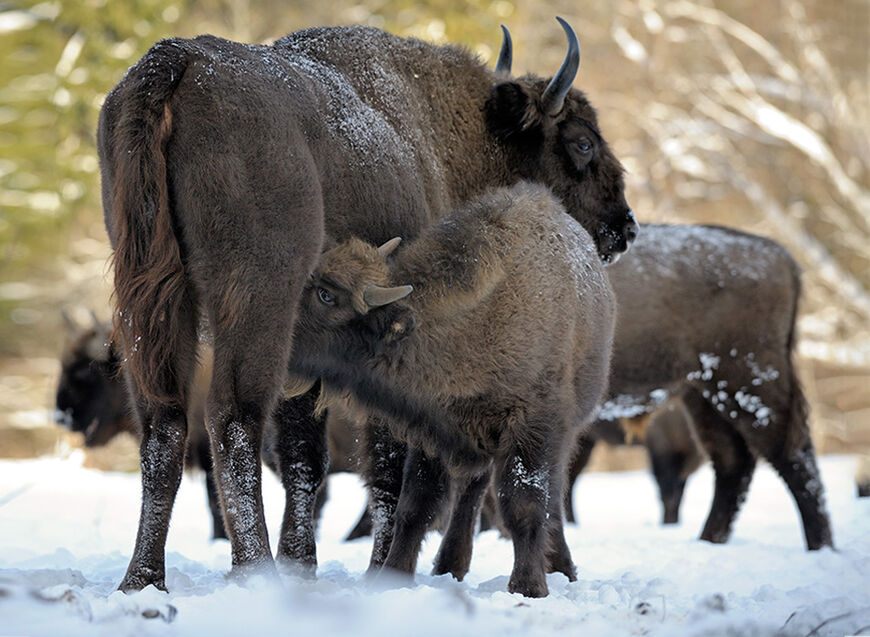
point(755, 115)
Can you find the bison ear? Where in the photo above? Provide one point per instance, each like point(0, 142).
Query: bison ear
point(511, 111)
point(391, 324)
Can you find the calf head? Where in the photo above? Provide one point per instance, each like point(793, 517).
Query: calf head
point(552, 131)
point(346, 312)
point(91, 397)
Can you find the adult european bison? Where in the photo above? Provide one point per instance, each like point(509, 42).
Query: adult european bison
point(224, 168)
point(708, 314)
point(473, 368)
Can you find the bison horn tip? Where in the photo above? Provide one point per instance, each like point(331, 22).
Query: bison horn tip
point(553, 97)
point(505, 55)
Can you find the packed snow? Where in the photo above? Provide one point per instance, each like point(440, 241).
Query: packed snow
point(66, 534)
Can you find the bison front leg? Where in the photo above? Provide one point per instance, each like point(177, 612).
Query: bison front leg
point(303, 460)
point(425, 486)
point(382, 464)
point(363, 526)
point(668, 469)
point(164, 431)
point(201, 453)
point(454, 554)
point(214, 505)
point(523, 481)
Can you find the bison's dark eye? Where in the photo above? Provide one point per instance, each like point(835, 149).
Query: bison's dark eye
point(584, 146)
point(325, 297)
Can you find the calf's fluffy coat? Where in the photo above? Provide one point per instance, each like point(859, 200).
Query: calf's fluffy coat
point(500, 351)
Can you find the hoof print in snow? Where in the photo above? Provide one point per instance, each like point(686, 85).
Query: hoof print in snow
point(715, 602)
point(70, 597)
point(167, 614)
point(643, 608)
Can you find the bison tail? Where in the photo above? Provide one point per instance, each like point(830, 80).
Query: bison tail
point(798, 433)
point(150, 283)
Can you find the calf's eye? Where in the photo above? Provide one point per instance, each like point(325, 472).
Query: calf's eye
point(325, 297)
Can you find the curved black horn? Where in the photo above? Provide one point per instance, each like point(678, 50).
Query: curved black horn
point(506, 55)
point(554, 96)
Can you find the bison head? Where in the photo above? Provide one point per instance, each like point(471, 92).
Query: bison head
point(90, 395)
point(346, 310)
point(552, 133)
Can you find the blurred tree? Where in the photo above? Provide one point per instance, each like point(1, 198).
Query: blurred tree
point(60, 58)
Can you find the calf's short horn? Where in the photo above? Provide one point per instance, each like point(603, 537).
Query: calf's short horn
point(376, 296)
point(386, 249)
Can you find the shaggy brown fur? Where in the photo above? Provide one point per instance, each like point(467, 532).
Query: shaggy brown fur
point(224, 167)
point(474, 366)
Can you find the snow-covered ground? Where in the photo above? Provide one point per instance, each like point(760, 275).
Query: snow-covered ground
point(66, 534)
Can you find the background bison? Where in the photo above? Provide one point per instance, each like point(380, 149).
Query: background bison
point(671, 449)
point(708, 314)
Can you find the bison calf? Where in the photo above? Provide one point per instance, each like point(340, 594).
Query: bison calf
point(476, 365)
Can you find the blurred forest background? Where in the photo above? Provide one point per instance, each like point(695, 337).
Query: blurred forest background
point(749, 114)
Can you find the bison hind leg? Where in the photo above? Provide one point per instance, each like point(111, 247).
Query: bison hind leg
point(454, 554)
point(162, 451)
point(733, 465)
point(302, 463)
point(523, 486)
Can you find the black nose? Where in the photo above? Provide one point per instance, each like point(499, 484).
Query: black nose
point(629, 230)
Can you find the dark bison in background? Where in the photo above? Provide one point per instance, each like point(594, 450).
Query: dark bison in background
point(91, 399)
point(707, 314)
point(671, 448)
point(226, 166)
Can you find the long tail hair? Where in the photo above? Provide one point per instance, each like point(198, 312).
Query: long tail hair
point(150, 285)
